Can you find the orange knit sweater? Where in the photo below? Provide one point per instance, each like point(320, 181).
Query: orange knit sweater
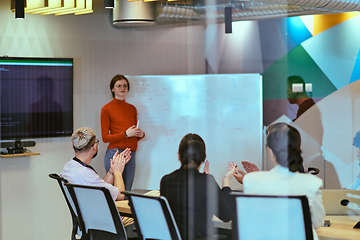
point(116, 117)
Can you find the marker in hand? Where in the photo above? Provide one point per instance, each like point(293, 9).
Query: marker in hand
point(138, 123)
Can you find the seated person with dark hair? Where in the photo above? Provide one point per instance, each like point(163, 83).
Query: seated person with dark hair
point(283, 146)
point(195, 197)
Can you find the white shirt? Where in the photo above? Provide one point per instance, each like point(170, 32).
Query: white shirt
point(280, 181)
point(76, 173)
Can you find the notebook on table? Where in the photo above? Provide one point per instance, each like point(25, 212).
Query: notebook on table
point(341, 201)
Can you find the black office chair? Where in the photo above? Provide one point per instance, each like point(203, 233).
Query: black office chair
point(76, 229)
point(272, 217)
point(153, 217)
point(97, 212)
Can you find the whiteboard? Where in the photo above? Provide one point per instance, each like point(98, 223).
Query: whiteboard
point(225, 110)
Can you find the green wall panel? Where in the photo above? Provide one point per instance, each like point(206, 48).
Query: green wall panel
point(296, 62)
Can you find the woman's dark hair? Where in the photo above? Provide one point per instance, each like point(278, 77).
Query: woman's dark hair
point(285, 141)
point(115, 79)
point(192, 150)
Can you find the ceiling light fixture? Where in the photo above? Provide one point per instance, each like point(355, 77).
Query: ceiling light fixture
point(57, 7)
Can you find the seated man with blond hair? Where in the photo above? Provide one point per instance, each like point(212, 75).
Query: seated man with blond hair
point(79, 171)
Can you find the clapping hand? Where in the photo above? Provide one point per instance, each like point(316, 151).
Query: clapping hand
point(231, 170)
point(238, 174)
point(249, 167)
point(119, 160)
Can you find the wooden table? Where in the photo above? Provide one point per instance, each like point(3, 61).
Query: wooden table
point(123, 208)
point(341, 227)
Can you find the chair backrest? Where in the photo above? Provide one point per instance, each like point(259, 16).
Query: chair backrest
point(153, 217)
point(98, 211)
point(77, 229)
point(272, 217)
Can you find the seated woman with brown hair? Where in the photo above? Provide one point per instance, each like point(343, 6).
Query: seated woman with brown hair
point(195, 197)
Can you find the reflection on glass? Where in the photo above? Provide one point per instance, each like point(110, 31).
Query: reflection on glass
point(46, 112)
point(308, 121)
point(356, 143)
point(297, 94)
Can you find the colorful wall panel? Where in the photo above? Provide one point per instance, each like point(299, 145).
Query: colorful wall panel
point(324, 51)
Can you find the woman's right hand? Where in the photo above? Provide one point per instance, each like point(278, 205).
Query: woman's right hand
point(238, 174)
point(232, 168)
point(133, 131)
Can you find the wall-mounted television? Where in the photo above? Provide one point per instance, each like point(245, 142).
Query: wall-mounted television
point(36, 97)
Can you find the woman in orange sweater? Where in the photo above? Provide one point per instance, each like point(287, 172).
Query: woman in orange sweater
point(118, 127)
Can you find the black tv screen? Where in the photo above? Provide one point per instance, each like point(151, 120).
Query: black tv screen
point(36, 97)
